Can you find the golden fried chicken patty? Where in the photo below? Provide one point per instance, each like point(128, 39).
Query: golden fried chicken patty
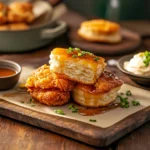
point(100, 94)
point(43, 78)
point(50, 97)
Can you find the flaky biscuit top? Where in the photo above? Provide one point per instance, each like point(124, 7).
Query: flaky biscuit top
point(76, 54)
point(100, 26)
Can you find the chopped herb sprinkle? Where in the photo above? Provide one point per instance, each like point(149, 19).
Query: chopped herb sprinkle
point(124, 103)
point(30, 101)
point(92, 120)
point(59, 111)
point(77, 52)
point(135, 103)
point(128, 93)
point(73, 108)
point(96, 58)
point(74, 56)
point(146, 61)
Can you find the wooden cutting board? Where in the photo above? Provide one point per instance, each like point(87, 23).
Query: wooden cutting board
point(77, 130)
point(131, 40)
point(110, 126)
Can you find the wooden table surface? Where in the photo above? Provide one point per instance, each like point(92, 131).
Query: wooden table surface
point(15, 135)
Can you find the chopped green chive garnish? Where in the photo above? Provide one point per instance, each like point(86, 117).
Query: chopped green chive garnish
point(74, 56)
point(92, 120)
point(69, 50)
point(32, 105)
point(22, 101)
point(73, 108)
point(96, 58)
point(128, 93)
point(146, 61)
point(59, 111)
point(79, 54)
point(135, 103)
point(124, 103)
point(30, 101)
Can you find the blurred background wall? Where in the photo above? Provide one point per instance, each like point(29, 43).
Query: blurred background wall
point(112, 9)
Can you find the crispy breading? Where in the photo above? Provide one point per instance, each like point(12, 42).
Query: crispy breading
point(100, 94)
point(45, 79)
point(20, 12)
point(50, 97)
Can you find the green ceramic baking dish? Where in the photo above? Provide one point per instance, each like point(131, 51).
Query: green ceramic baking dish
point(32, 38)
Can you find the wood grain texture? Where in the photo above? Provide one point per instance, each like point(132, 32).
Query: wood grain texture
point(74, 129)
point(129, 43)
point(17, 136)
point(137, 140)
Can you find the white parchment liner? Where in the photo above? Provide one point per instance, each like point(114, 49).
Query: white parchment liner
point(103, 120)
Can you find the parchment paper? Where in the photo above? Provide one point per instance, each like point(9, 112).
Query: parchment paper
point(21, 98)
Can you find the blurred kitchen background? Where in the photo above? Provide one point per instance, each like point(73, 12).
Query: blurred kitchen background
point(116, 10)
point(112, 9)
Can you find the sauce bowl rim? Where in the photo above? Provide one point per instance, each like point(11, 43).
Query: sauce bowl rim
point(127, 58)
point(13, 63)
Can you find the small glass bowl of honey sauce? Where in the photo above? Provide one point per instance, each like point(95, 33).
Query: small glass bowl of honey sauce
point(9, 74)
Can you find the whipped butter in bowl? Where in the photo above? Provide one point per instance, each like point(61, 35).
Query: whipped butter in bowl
point(137, 67)
point(139, 64)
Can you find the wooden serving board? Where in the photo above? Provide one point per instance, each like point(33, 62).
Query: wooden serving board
point(110, 126)
point(131, 40)
point(77, 130)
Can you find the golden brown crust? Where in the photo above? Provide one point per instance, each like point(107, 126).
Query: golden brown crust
point(50, 97)
point(45, 79)
point(4, 27)
point(20, 12)
point(100, 31)
point(100, 38)
point(18, 26)
point(101, 94)
point(101, 26)
point(77, 65)
point(106, 82)
point(3, 13)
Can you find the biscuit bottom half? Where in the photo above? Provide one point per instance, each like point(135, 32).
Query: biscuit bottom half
point(102, 93)
point(99, 37)
point(94, 100)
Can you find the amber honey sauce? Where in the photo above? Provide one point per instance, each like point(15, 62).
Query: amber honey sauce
point(4, 72)
point(95, 111)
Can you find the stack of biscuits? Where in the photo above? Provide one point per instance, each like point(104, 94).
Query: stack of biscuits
point(16, 15)
point(77, 73)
